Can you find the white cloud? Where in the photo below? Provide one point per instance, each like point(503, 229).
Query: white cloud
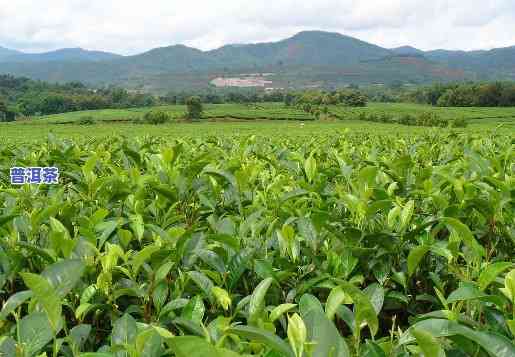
point(131, 26)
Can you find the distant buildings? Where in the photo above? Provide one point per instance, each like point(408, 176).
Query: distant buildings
point(244, 81)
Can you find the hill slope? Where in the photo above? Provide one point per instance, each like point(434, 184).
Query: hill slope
point(407, 51)
point(6, 53)
point(311, 58)
point(497, 63)
point(61, 55)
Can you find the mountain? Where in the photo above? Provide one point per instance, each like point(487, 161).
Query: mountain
point(314, 48)
point(407, 51)
point(308, 59)
point(5, 53)
point(500, 61)
point(61, 55)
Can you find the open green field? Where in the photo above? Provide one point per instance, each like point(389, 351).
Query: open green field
point(272, 111)
point(471, 114)
point(240, 119)
point(277, 111)
point(26, 133)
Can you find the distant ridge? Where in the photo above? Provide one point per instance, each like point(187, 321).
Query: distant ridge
point(407, 50)
point(64, 55)
point(309, 58)
point(6, 52)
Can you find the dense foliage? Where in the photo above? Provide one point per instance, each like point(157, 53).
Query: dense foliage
point(156, 117)
point(466, 95)
point(28, 97)
point(341, 245)
point(348, 97)
point(426, 119)
point(6, 113)
point(317, 103)
point(23, 96)
point(220, 96)
point(194, 108)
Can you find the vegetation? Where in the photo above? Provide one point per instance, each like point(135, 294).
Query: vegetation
point(395, 111)
point(428, 119)
point(28, 97)
point(265, 238)
point(156, 117)
point(6, 113)
point(316, 102)
point(467, 95)
point(194, 108)
point(221, 96)
point(86, 120)
point(330, 60)
point(272, 111)
point(348, 244)
point(347, 97)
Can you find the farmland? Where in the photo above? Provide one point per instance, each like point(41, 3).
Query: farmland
point(259, 238)
point(277, 111)
point(271, 111)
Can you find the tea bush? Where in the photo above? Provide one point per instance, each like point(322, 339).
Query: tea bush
point(351, 244)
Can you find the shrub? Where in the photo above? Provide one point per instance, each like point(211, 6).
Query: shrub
point(86, 120)
point(406, 119)
point(156, 117)
point(373, 117)
point(459, 123)
point(386, 118)
point(194, 108)
point(355, 99)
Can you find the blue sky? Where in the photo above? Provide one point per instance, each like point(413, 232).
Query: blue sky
point(133, 26)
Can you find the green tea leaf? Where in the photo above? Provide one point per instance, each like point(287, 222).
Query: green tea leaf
point(191, 346)
point(46, 295)
point(463, 232)
point(310, 168)
point(427, 343)
point(297, 334)
point(415, 256)
point(257, 300)
point(222, 297)
point(270, 340)
point(406, 214)
point(466, 291)
point(14, 302)
point(320, 330)
point(336, 297)
point(64, 275)
point(364, 310)
point(280, 310)
point(124, 331)
point(496, 345)
point(35, 332)
point(491, 272)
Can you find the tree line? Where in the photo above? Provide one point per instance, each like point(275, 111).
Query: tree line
point(317, 102)
point(23, 96)
point(26, 97)
point(220, 96)
point(498, 94)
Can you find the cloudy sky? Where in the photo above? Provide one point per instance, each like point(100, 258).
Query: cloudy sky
point(133, 26)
